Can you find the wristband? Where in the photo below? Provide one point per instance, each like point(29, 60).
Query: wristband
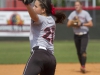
point(81, 24)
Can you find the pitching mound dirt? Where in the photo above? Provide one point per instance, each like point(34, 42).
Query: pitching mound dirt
point(62, 69)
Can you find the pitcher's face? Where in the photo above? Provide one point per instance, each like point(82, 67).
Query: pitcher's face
point(37, 8)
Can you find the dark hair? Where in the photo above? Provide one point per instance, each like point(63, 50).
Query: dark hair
point(78, 1)
point(60, 17)
point(47, 5)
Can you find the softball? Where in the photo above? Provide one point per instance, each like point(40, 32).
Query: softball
point(75, 23)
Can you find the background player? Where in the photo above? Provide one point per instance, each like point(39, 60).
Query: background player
point(42, 33)
point(81, 32)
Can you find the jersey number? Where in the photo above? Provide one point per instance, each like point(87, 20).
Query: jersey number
point(49, 34)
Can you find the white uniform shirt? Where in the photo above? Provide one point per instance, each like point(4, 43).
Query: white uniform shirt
point(42, 33)
point(84, 17)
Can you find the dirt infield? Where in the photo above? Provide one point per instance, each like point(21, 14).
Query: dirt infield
point(62, 69)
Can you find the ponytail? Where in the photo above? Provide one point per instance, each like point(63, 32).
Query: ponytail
point(60, 17)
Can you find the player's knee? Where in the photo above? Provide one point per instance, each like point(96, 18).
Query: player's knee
point(84, 54)
point(81, 53)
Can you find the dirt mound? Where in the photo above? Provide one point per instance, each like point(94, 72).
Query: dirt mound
point(62, 69)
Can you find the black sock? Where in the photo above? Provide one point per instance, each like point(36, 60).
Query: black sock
point(79, 57)
point(83, 59)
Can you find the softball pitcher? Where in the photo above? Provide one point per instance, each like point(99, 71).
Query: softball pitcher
point(42, 34)
point(81, 31)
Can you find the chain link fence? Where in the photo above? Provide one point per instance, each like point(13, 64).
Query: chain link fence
point(6, 3)
point(57, 3)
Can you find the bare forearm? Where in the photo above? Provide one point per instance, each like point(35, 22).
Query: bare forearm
point(69, 24)
point(88, 24)
point(32, 14)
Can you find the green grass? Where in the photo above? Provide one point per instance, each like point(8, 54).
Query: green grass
point(18, 52)
point(14, 52)
point(65, 51)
